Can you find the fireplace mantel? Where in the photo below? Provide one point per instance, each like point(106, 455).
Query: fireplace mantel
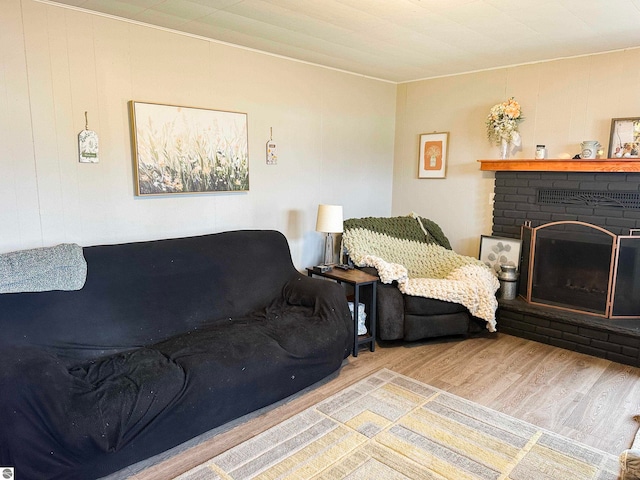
point(562, 165)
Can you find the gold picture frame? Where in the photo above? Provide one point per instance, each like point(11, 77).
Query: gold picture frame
point(624, 140)
point(182, 150)
point(432, 155)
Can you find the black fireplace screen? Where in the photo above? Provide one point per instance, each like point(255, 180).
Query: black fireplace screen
point(626, 294)
point(583, 267)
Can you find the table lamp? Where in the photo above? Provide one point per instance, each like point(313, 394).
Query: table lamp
point(329, 221)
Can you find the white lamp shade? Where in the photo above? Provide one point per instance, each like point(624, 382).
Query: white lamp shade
point(329, 219)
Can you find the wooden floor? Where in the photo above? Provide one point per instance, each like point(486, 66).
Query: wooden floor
point(582, 397)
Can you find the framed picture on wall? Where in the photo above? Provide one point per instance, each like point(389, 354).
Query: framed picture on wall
point(624, 140)
point(188, 150)
point(432, 155)
point(496, 251)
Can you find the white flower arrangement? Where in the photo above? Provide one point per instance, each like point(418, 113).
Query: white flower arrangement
point(502, 122)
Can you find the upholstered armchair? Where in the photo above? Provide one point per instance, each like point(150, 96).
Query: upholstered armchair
point(410, 317)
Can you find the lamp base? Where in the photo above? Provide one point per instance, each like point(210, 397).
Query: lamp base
point(328, 250)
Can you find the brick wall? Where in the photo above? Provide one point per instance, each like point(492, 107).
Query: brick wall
point(516, 200)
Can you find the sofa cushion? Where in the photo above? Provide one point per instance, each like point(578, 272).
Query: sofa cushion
point(430, 306)
point(417, 327)
point(134, 404)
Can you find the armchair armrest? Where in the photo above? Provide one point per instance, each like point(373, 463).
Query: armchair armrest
point(389, 309)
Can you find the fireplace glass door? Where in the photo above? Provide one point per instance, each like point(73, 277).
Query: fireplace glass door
point(569, 266)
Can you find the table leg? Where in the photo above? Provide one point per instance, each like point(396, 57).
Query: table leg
point(373, 319)
point(356, 303)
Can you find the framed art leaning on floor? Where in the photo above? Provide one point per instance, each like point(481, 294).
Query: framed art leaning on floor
point(496, 251)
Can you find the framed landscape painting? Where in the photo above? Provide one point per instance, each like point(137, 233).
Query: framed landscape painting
point(432, 155)
point(188, 150)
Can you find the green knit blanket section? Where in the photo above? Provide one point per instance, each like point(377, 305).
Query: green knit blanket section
point(406, 250)
point(405, 228)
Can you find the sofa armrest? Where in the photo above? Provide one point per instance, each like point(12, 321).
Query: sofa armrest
point(327, 298)
point(328, 301)
point(306, 291)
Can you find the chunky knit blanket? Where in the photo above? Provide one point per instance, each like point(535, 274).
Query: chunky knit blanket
point(414, 252)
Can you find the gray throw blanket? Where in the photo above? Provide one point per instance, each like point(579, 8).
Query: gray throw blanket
point(62, 267)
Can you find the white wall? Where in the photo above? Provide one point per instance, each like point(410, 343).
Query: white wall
point(564, 102)
point(335, 133)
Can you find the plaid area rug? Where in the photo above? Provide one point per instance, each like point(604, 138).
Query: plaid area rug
point(389, 426)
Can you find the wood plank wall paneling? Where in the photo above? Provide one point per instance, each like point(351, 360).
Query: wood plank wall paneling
point(18, 192)
point(58, 62)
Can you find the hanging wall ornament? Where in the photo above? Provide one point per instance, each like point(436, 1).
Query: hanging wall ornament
point(88, 144)
point(272, 150)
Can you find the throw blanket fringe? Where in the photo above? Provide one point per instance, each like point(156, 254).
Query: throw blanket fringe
point(426, 270)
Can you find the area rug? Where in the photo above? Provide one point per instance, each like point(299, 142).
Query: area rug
point(389, 426)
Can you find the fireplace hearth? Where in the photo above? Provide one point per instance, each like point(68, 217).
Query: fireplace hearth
point(615, 340)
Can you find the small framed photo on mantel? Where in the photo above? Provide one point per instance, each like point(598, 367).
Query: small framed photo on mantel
point(432, 155)
point(624, 140)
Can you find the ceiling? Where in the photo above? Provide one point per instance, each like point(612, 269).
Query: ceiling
point(398, 40)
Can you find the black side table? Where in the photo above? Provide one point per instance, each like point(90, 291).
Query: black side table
point(356, 278)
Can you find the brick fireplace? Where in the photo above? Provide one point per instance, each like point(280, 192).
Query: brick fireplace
point(605, 193)
point(608, 200)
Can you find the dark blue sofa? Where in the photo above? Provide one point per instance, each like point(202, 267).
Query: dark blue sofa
point(166, 340)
